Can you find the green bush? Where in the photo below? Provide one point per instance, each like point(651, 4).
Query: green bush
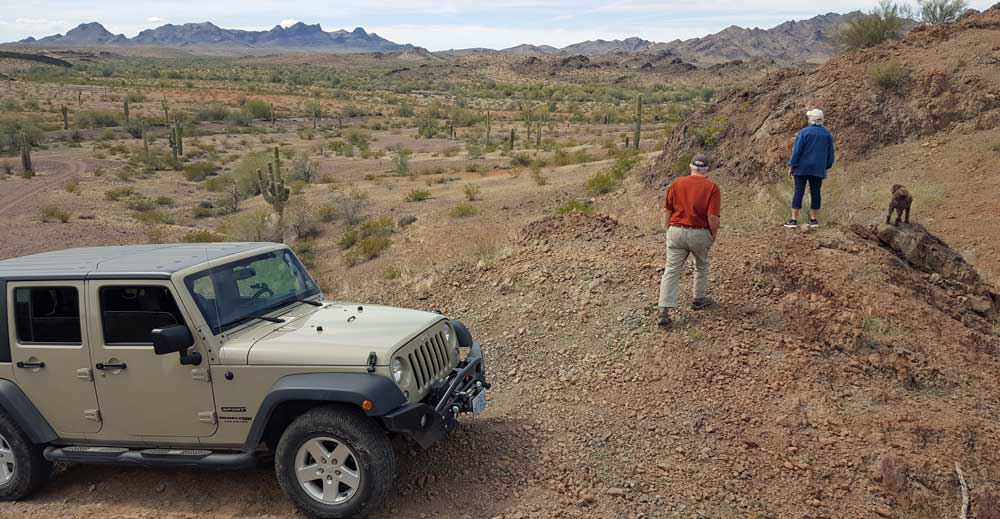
point(882, 23)
point(471, 192)
point(417, 195)
point(55, 214)
point(889, 75)
point(198, 171)
point(257, 109)
point(377, 227)
point(10, 131)
point(577, 205)
point(601, 183)
point(463, 210)
point(213, 112)
point(155, 217)
point(139, 203)
point(96, 119)
point(236, 118)
point(941, 11)
point(708, 136)
point(251, 226)
point(348, 239)
point(368, 249)
point(117, 193)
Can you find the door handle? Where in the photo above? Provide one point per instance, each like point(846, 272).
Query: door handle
point(30, 365)
point(102, 366)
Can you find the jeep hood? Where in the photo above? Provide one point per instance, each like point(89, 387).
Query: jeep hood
point(340, 335)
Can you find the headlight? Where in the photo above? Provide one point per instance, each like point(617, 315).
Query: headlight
point(451, 338)
point(398, 370)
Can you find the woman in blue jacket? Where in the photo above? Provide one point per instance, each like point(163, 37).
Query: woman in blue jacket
point(811, 157)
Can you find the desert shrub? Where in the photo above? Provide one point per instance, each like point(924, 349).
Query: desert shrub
point(351, 206)
point(96, 119)
point(377, 227)
point(941, 11)
point(164, 201)
point(303, 168)
point(538, 177)
point(135, 97)
point(134, 128)
point(358, 138)
point(10, 131)
point(392, 272)
point(406, 221)
point(203, 236)
point(72, 185)
point(117, 193)
point(417, 195)
point(7, 167)
point(625, 161)
point(888, 76)
point(202, 212)
point(301, 219)
point(520, 160)
point(348, 239)
point(708, 136)
point(882, 23)
point(475, 151)
point(577, 205)
point(471, 192)
point(55, 214)
point(245, 173)
point(367, 249)
point(238, 118)
point(306, 252)
point(137, 202)
point(682, 165)
point(995, 148)
point(198, 171)
point(463, 210)
point(154, 217)
point(601, 183)
point(327, 213)
point(213, 112)
point(252, 226)
point(257, 109)
point(401, 163)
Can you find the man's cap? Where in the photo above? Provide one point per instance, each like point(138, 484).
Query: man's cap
point(700, 161)
point(814, 114)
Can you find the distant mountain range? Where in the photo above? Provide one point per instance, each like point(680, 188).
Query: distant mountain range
point(210, 36)
point(791, 42)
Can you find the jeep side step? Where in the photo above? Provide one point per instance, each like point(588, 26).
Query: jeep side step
point(194, 458)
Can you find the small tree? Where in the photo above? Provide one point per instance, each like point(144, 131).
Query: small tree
point(401, 163)
point(882, 23)
point(941, 11)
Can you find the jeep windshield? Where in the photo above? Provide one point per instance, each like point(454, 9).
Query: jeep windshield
point(238, 292)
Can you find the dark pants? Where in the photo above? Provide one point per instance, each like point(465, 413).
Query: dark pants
point(815, 187)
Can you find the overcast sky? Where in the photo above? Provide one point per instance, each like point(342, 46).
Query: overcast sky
point(434, 24)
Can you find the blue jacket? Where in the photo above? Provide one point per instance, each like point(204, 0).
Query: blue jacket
point(813, 152)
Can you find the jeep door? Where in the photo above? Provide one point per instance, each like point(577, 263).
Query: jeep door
point(51, 355)
point(141, 393)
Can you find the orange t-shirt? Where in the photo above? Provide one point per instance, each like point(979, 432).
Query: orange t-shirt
point(692, 199)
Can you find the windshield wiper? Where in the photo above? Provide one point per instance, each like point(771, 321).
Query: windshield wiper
point(308, 302)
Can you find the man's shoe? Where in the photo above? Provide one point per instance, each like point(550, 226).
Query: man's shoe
point(663, 318)
point(702, 303)
point(792, 224)
point(813, 223)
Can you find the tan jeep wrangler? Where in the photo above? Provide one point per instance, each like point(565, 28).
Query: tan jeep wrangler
point(203, 355)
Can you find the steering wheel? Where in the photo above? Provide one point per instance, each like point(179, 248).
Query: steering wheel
point(264, 289)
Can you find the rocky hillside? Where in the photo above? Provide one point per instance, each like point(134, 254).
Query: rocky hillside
point(937, 79)
point(209, 35)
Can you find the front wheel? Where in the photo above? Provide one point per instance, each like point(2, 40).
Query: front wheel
point(23, 469)
point(334, 462)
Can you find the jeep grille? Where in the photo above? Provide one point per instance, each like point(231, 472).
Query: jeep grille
point(429, 360)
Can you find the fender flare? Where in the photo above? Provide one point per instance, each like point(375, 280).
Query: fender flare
point(19, 408)
point(346, 388)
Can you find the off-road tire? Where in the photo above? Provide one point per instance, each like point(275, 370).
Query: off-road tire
point(31, 469)
point(369, 442)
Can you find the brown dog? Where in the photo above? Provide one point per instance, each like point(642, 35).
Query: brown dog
point(901, 201)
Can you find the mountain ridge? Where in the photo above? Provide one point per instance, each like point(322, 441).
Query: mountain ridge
point(794, 41)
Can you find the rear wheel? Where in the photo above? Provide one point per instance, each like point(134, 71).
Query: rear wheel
point(334, 462)
point(23, 469)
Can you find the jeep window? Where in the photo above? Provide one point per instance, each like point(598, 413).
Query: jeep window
point(47, 315)
point(129, 314)
point(232, 294)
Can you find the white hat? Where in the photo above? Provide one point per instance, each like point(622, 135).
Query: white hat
point(815, 115)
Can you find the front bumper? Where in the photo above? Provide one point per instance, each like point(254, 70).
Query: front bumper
point(430, 420)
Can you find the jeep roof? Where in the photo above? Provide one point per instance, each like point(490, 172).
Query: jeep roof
point(128, 261)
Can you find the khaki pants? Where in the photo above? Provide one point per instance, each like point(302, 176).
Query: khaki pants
point(682, 241)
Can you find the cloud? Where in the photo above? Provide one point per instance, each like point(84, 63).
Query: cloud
point(288, 22)
point(154, 19)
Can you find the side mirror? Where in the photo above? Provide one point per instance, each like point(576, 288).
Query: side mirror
point(172, 339)
point(176, 339)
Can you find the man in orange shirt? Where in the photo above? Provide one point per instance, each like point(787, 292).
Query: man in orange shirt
point(691, 217)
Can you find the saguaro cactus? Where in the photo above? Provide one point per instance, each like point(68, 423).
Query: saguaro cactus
point(145, 141)
point(273, 189)
point(638, 121)
point(125, 105)
point(538, 136)
point(510, 143)
point(179, 137)
point(488, 128)
point(166, 111)
point(65, 114)
point(25, 143)
point(79, 98)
